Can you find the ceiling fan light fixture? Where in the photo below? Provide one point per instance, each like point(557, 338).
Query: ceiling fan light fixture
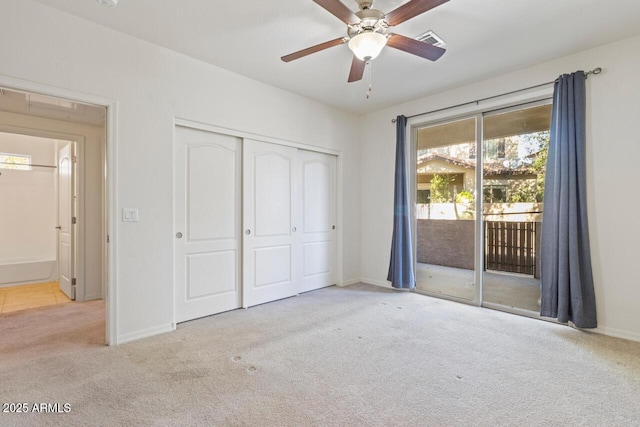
point(108, 3)
point(367, 45)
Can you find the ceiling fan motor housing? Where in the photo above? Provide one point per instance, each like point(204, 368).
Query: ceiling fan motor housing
point(371, 20)
point(364, 4)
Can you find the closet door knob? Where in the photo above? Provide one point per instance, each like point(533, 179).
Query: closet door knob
point(294, 229)
point(58, 227)
point(179, 235)
point(247, 232)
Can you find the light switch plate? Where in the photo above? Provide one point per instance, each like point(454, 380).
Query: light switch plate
point(130, 214)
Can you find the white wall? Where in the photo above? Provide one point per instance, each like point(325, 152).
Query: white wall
point(152, 86)
point(28, 209)
point(613, 150)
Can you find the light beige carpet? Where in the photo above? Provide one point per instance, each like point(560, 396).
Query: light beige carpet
point(360, 355)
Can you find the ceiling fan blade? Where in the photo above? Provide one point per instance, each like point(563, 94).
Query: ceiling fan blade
point(416, 47)
point(357, 70)
point(339, 10)
point(313, 49)
point(411, 9)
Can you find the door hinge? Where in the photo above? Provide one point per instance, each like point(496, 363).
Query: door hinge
point(108, 238)
point(74, 159)
point(74, 220)
point(73, 281)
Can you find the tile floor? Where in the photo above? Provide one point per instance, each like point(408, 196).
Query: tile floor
point(31, 296)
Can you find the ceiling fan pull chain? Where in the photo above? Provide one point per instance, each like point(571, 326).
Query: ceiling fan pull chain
point(369, 66)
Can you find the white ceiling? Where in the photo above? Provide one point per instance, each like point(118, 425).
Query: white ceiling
point(484, 38)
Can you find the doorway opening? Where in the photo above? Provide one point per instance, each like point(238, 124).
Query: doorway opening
point(53, 217)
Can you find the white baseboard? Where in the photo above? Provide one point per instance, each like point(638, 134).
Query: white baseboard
point(366, 281)
point(383, 284)
point(350, 282)
point(617, 333)
point(145, 333)
point(31, 282)
point(28, 272)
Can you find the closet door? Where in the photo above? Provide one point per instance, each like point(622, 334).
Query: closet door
point(318, 235)
point(271, 255)
point(207, 223)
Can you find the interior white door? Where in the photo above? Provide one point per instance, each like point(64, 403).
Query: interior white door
point(271, 255)
point(207, 223)
point(318, 233)
point(66, 226)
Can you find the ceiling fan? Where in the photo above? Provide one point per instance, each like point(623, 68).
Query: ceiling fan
point(367, 32)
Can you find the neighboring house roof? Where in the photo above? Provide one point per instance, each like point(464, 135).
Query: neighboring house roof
point(493, 168)
point(451, 160)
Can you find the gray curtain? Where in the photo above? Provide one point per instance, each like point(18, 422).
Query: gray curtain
point(401, 273)
point(566, 278)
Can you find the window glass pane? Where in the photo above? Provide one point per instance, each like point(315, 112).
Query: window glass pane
point(15, 161)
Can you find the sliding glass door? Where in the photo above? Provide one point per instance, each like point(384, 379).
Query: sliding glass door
point(514, 156)
point(445, 209)
point(478, 193)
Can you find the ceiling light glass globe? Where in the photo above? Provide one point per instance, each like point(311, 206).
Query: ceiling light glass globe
point(367, 45)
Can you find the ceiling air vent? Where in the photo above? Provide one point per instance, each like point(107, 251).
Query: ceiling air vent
point(431, 38)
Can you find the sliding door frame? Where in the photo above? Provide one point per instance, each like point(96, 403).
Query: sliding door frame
point(494, 112)
point(413, 186)
point(495, 106)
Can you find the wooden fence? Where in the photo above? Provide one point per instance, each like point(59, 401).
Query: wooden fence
point(511, 246)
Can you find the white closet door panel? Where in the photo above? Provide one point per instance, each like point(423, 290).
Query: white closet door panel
point(317, 194)
point(205, 268)
point(271, 254)
point(272, 194)
point(207, 212)
point(272, 265)
point(210, 198)
point(318, 258)
point(319, 209)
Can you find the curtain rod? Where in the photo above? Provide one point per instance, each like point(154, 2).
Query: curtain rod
point(595, 71)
